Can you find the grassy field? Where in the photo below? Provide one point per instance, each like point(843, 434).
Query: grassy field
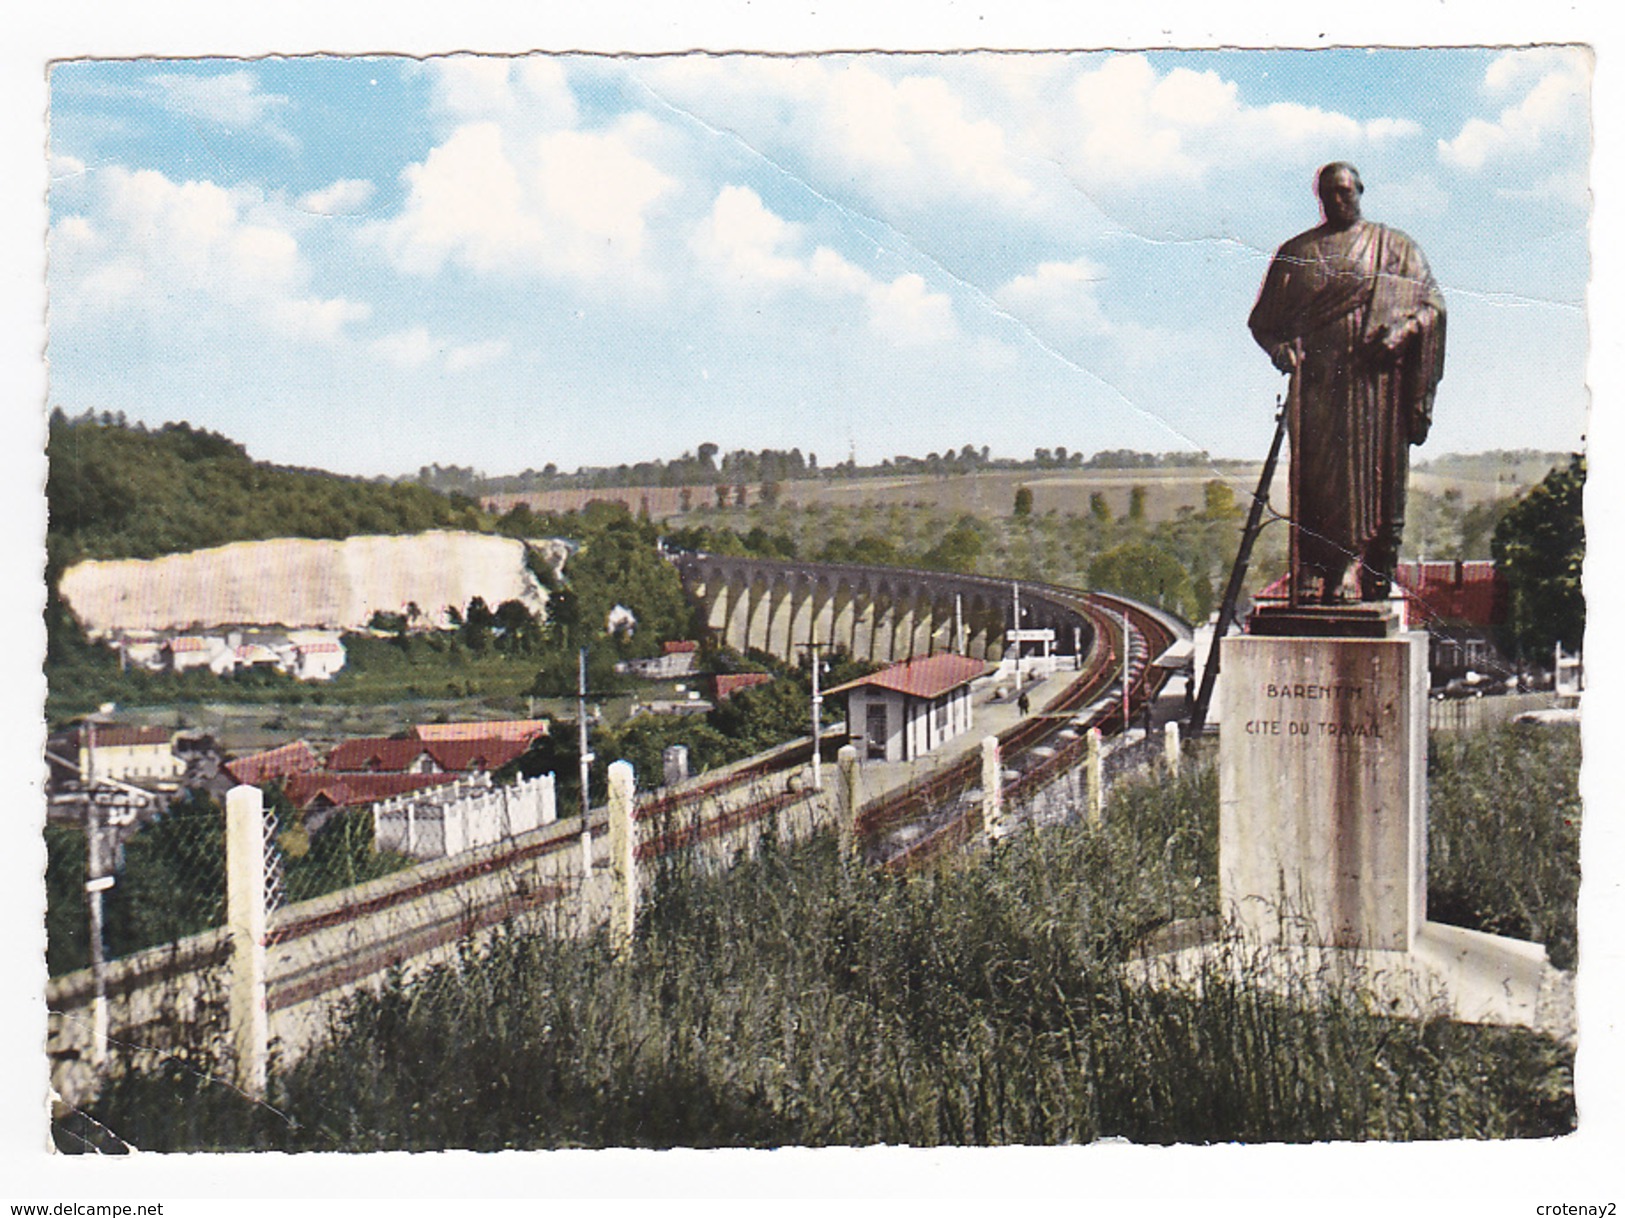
point(803, 999)
point(990, 493)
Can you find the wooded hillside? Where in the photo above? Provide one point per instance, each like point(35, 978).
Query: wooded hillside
point(118, 490)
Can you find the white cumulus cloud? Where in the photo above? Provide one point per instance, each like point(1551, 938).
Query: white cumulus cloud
point(1555, 84)
point(64, 167)
point(532, 88)
point(1058, 298)
point(1129, 125)
point(232, 100)
point(904, 141)
point(741, 240)
point(345, 197)
point(751, 250)
point(148, 243)
point(567, 204)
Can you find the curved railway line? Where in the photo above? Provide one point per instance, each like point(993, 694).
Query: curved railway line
point(945, 805)
point(909, 826)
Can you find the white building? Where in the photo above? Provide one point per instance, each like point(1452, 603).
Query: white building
point(309, 655)
point(144, 756)
point(905, 711)
point(317, 657)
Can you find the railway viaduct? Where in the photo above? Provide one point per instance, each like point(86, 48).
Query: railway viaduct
point(883, 614)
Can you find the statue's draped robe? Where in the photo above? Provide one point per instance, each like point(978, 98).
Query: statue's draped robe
point(1360, 409)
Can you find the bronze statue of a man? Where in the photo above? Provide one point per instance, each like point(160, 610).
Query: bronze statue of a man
point(1351, 310)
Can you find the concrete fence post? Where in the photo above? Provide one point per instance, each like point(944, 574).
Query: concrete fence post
point(550, 799)
point(1096, 798)
point(245, 923)
point(623, 910)
point(849, 794)
point(1170, 748)
point(992, 788)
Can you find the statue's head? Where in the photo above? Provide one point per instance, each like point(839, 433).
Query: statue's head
point(1339, 188)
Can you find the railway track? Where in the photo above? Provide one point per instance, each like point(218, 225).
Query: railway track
point(908, 828)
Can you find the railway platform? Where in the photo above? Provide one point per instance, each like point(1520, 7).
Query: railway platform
point(990, 715)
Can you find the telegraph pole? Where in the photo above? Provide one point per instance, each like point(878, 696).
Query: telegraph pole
point(1125, 671)
point(98, 879)
point(813, 648)
point(586, 764)
point(1015, 601)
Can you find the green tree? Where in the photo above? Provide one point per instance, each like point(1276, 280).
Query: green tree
point(1136, 503)
point(1024, 501)
point(67, 934)
point(475, 628)
point(173, 882)
point(959, 550)
point(1219, 500)
point(1539, 547)
point(1143, 571)
point(1099, 509)
point(521, 633)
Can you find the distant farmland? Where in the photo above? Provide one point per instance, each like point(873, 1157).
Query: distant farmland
point(991, 493)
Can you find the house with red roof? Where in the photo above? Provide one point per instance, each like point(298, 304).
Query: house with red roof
point(524, 730)
point(905, 711)
point(285, 761)
point(318, 794)
point(378, 755)
point(129, 753)
point(725, 685)
point(1460, 604)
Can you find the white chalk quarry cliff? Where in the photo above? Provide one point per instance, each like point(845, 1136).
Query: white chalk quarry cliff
point(296, 582)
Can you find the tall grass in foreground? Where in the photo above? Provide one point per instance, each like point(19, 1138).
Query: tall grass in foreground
point(1504, 833)
point(803, 999)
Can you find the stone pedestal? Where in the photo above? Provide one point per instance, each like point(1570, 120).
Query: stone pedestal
point(1322, 789)
point(1323, 846)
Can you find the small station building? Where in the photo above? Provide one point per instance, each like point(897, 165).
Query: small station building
point(905, 711)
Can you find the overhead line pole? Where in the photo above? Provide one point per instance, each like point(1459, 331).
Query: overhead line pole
point(1238, 572)
point(586, 764)
point(813, 648)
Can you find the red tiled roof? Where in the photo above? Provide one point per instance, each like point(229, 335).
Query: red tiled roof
point(188, 642)
point(1460, 593)
point(372, 754)
point(727, 684)
point(379, 756)
point(495, 729)
point(679, 647)
point(1454, 593)
point(282, 762)
point(353, 790)
point(925, 677)
point(489, 753)
point(123, 736)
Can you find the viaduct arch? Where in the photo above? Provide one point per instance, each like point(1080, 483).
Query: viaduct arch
point(881, 614)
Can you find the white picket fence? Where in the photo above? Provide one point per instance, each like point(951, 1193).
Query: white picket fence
point(444, 821)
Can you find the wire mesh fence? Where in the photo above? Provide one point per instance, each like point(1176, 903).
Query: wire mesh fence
point(167, 869)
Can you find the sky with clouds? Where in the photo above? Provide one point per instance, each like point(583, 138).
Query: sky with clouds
point(371, 264)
